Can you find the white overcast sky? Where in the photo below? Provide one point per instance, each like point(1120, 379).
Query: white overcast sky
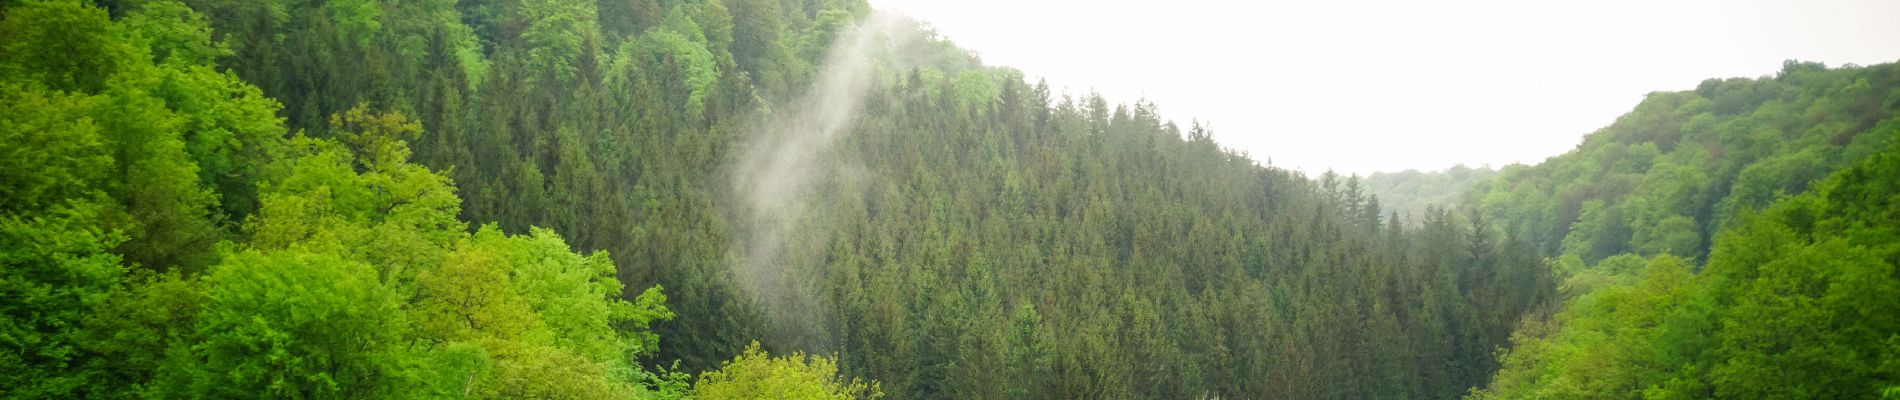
point(1387, 85)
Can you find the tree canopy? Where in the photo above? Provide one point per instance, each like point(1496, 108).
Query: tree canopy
point(1730, 242)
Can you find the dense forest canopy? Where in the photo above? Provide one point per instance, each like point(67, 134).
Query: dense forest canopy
point(1735, 241)
point(652, 198)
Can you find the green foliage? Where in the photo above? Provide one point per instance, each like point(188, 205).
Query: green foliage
point(188, 143)
point(501, 316)
point(142, 337)
point(54, 152)
point(285, 324)
point(755, 374)
point(560, 38)
point(1795, 302)
point(1789, 302)
point(170, 214)
point(541, 317)
point(679, 44)
point(65, 45)
point(95, 173)
point(56, 270)
point(173, 33)
point(356, 21)
point(153, 156)
point(1595, 348)
point(1686, 164)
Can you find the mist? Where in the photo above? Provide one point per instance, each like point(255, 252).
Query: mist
point(790, 155)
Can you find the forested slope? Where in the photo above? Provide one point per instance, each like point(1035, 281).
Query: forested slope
point(1735, 241)
point(165, 238)
point(1666, 177)
point(1089, 251)
point(174, 231)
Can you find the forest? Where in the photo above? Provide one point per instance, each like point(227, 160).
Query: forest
point(1737, 241)
point(750, 199)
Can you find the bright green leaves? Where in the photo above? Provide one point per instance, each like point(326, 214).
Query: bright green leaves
point(499, 316)
point(173, 33)
point(1673, 235)
point(352, 278)
point(1812, 284)
point(170, 223)
point(976, 90)
point(318, 196)
point(357, 21)
point(1601, 229)
point(1814, 324)
point(97, 168)
point(681, 46)
point(1659, 209)
point(647, 308)
point(1795, 302)
point(1864, 201)
point(1598, 347)
point(560, 39)
point(548, 322)
point(755, 374)
point(380, 141)
point(1687, 164)
point(179, 134)
point(296, 325)
point(143, 336)
point(485, 315)
point(393, 214)
point(826, 28)
point(55, 269)
point(577, 296)
point(51, 152)
point(65, 44)
point(229, 128)
point(470, 295)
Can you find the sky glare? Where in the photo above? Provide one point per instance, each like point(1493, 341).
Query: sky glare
point(1388, 85)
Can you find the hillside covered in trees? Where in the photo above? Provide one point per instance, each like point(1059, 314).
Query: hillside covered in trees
point(1734, 241)
point(808, 199)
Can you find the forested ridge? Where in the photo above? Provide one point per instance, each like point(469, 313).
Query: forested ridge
point(549, 199)
point(1732, 241)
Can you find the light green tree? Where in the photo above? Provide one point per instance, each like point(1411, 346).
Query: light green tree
point(289, 324)
point(755, 374)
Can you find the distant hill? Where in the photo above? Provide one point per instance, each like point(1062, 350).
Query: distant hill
point(1410, 192)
